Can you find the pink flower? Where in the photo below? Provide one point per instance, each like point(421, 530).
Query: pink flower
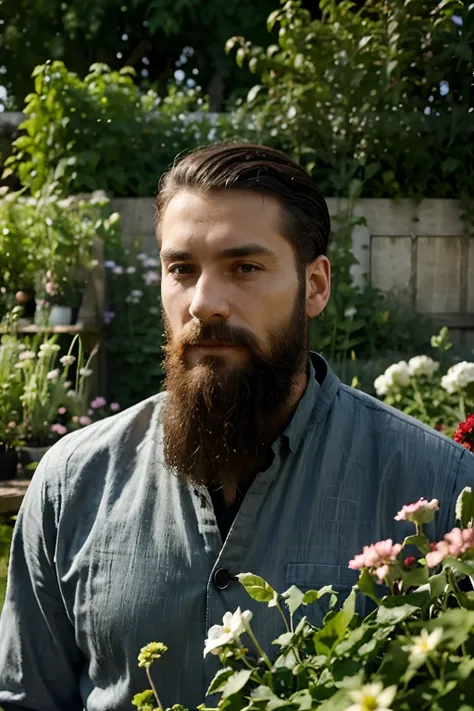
point(84, 420)
point(98, 402)
point(62, 410)
point(11, 424)
point(50, 288)
point(114, 406)
point(421, 511)
point(377, 558)
point(59, 429)
point(454, 544)
point(90, 412)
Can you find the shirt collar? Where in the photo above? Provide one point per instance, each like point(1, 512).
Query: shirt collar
point(315, 402)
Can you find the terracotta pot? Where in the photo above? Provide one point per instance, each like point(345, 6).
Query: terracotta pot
point(8, 464)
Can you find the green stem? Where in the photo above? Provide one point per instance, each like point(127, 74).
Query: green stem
point(153, 687)
point(278, 606)
point(429, 666)
point(258, 647)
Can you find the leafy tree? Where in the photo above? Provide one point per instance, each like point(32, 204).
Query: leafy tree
point(146, 34)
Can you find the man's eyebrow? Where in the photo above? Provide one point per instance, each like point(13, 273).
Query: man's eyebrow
point(246, 250)
point(175, 255)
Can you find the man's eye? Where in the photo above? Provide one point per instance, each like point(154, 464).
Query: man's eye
point(248, 268)
point(180, 269)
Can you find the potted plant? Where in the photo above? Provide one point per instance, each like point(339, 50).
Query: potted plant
point(50, 389)
point(10, 407)
point(46, 247)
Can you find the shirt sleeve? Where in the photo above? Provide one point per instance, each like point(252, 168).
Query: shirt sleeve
point(40, 663)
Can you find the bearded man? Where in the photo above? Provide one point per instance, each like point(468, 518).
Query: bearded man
point(254, 458)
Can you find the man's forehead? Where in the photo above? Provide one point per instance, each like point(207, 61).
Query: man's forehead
point(224, 219)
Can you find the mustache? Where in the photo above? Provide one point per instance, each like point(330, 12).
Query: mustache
point(218, 332)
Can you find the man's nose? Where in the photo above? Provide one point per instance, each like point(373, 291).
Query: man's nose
point(209, 302)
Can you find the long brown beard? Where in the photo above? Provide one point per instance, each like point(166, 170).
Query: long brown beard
point(219, 424)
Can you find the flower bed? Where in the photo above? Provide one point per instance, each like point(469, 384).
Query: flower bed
point(414, 650)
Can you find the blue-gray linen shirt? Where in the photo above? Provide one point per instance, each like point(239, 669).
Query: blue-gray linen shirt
point(111, 550)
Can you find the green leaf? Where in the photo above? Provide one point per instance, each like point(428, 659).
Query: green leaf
point(415, 577)
point(371, 169)
point(394, 615)
point(293, 598)
point(219, 680)
point(252, 95)
point(367, 586)
point(311, 596)
point(465, 507)
point(420, 541)
point(466, 567)
point(236, 682)
point(438, 584)
point(257, 587)
point(335, 626)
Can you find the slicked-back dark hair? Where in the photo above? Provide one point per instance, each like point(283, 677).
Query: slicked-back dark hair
point(243, 166)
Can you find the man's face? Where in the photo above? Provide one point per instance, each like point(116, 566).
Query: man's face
point(225, 261)
point(236, 328)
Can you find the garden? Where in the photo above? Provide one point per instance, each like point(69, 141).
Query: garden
point(375, 100)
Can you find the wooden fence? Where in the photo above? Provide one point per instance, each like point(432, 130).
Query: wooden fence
point(419, 251)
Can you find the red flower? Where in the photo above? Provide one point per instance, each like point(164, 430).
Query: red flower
point(410, 560)
point(465, 434)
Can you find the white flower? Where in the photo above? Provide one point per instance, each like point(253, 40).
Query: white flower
point(233, 625)
point(118, 270)
point(395, 377)
point(49, 348)
point(423, 645)
point(372, 697)
point(350, 312)
point(27, 355)
point(458, 377)
point(85, 372)
point(151, 277)
point(67, 384)
point(150, 263)
point(131, 270)
point(381, 385)
point(142, 257)
point(67, 360)
point(53, 374)
point(422, 365)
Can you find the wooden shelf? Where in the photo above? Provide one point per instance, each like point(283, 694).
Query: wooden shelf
point(12, 493)
point(72, 330)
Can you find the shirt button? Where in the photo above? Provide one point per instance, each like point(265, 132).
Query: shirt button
point(222, 578)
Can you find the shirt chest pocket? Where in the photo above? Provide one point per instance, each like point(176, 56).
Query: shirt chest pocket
point(313, 576)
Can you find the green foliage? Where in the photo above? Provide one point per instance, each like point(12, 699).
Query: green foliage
point(423, 389)
point(43, 394)
point(373, 100)
point(414, 650)
point(82, 32)
point(134, 327)
point(50, 235)
point(101, 132)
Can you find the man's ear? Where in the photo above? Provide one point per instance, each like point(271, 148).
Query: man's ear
point(318, 286)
